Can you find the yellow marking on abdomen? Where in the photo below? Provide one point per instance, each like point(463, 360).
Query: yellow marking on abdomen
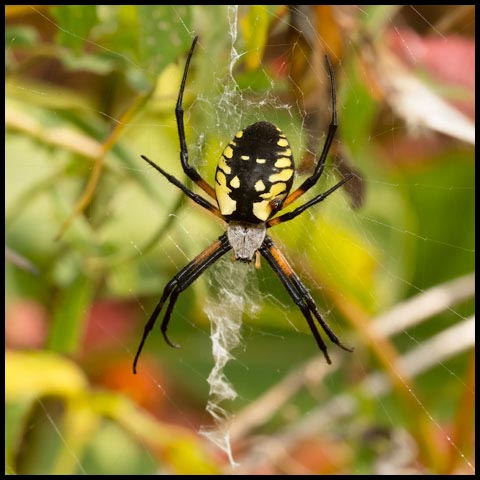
point(283, 176)
point(262, 210)
point(275, 191)
point(283, 142)
point(239, 134)
point(228, 152)
point(283, 162)
point(235, 182)
point(221, 179)
point(260, 160)
point(259, 186)
point(226, 205)
point(286, 153)
point(224, 166)
point(245, 157)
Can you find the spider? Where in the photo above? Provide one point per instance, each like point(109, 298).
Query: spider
point(253, 180)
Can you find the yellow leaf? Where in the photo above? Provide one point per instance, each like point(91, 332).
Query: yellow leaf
point(33, 374)
point(255, 28)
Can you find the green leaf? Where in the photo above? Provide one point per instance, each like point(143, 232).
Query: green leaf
point(165, 33)
point(20, 36)
point(113, 451)
point(379, 17)
point(70, 312)
point(16, 415)
point(75, 22)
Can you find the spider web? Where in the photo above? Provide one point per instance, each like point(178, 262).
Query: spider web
point(232, 294)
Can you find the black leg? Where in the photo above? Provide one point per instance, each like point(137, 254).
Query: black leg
point(180, 282)
point(292, 291)
point(299, 294)
point(196, 198)
point(311, 181)
point(187, 168)
point(294, 213)
point(313, 308)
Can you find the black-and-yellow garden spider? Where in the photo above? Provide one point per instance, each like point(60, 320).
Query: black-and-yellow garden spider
point(252, 183)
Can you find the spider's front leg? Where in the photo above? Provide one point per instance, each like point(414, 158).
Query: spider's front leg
point(183, 279)
point(187, 168)
point(196, 198)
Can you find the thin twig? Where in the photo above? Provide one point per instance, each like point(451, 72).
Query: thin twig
point(406, 314)
point(464, 427)
point(429, 353)
point(459, 337)
point(431, 302)
point(106, 146)
point(62, 137)
point(264, 407)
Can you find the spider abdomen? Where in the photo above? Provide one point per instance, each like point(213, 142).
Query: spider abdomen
point(254, 174)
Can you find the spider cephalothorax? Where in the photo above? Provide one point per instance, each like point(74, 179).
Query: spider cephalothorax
point(253, 180)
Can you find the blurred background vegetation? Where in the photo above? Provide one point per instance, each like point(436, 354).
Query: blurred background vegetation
point(93, 235)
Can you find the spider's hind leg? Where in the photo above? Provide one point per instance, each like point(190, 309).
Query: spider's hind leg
point(313, 308)
point(299, 294)
point(183, 279)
